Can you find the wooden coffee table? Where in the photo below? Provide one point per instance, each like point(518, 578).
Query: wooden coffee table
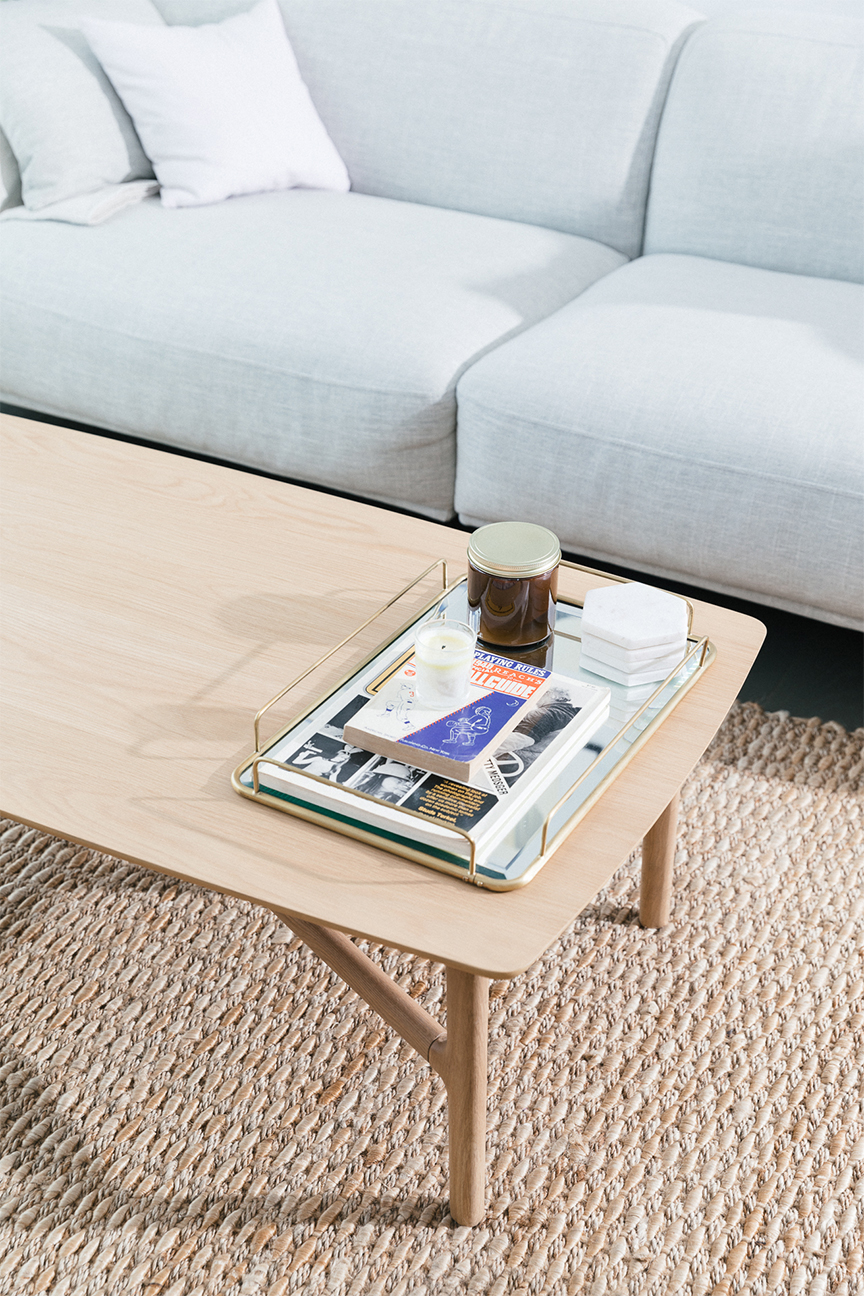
point(152, 603)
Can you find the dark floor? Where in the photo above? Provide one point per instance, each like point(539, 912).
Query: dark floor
point(805, 667)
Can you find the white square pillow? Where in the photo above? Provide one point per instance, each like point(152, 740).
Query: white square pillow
point(67, 129)
point(221, 109)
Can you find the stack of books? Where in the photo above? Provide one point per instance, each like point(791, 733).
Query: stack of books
point(508, 742)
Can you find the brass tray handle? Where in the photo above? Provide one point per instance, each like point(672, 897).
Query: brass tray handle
point(439, 562)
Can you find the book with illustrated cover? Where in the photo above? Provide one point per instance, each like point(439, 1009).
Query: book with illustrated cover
point(498, 805)
point(454, 742)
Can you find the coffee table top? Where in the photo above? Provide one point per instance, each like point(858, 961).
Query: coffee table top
point(152, 603)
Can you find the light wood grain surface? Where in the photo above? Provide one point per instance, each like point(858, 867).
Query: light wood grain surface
point(151, 603)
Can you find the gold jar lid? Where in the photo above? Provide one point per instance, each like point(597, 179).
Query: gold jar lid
point(514, 549)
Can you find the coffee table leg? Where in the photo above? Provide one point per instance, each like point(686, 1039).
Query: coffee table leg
point(658, 853)
point(461, 1059)
point(458, 1055)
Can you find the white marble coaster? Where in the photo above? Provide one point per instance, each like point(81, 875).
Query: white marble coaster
point(634, 616)
point(629, 678)
point(637, 659)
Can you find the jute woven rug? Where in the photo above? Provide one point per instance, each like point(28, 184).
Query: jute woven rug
point(192, 1103)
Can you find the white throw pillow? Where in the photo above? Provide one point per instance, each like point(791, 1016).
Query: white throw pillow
point(221, 109)
point(67, 129)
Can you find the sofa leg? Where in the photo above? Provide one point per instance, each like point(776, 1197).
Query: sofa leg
point(658, 853)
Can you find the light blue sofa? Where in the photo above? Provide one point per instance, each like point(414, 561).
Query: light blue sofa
point(474, 326)
point(704, 401)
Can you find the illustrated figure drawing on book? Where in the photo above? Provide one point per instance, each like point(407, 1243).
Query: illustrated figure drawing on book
point(451, 739)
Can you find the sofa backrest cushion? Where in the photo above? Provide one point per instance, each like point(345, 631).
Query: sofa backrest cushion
point(543, 111)
point(760, 153)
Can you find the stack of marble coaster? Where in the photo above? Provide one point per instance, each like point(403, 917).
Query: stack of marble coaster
point(633, 634)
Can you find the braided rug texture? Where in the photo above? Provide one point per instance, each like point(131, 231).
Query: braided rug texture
point(191, 1103)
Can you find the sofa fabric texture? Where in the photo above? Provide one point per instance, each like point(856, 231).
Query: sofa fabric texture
point(311, 334)
point(760, 154)
point(706, 418)
point(10, 176)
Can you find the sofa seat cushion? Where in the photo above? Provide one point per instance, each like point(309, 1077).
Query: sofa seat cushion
point(314, 335)
point(687, 417)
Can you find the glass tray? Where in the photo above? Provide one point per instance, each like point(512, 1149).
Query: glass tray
point(546, 820)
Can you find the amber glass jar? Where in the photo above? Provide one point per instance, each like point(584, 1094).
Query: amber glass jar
point(513, 583)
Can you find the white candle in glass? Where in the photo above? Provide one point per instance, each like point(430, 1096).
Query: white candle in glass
point(443, 653)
